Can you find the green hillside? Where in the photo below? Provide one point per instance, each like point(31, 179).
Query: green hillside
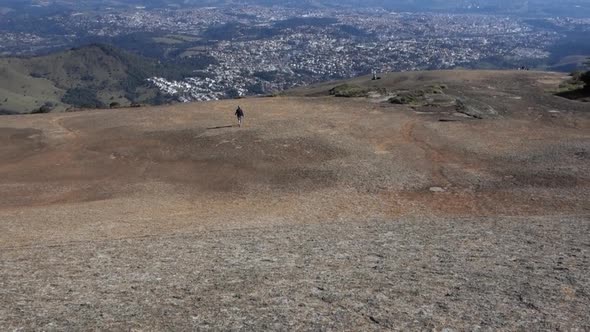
point(90, 77)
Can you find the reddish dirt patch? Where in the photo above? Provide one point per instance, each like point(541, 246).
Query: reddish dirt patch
point(311, 158)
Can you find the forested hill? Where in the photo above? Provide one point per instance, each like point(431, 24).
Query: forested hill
point(93, 76)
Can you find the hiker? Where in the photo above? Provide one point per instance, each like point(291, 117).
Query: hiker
point(240, 115)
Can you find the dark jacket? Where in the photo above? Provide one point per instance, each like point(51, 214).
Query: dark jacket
point(239, 112)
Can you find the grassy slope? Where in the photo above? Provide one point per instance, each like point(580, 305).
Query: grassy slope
point(21, 92)
point(28, 83)
point(572, 88)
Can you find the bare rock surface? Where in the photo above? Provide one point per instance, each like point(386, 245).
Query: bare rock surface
point(320, 213)
point(505, 273)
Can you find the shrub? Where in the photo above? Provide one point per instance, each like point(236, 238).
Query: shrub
point(45, 108)
point(41, 110)
point(408, 97)
point(349, 90)
point(436, 88)
point(7, 112)
point(403, 99)
point(82, 97)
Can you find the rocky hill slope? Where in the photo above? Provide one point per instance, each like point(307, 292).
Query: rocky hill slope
point(322, 212)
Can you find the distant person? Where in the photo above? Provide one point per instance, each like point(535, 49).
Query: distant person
point(240, 115)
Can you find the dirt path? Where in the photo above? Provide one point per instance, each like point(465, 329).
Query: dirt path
point(435, 158)
point(61, 129)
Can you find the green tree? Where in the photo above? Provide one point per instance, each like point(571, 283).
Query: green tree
point(82, 97)
point(46, 108)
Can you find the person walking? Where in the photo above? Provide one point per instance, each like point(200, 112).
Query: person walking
point(240, 115)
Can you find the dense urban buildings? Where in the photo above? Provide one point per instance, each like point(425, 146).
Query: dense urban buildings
point(259, 50)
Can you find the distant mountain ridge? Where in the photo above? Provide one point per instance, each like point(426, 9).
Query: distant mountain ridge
point(526, 7)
